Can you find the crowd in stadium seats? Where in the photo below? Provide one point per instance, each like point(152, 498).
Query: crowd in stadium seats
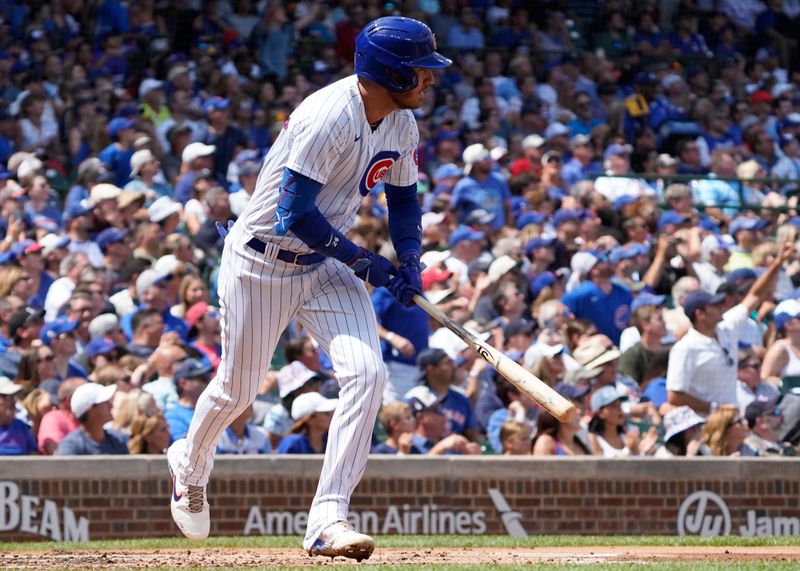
point(609, 190)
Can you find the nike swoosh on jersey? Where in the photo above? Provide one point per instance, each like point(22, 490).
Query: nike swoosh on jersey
point(357, 138)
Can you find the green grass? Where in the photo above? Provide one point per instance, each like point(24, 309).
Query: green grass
point(407, 542)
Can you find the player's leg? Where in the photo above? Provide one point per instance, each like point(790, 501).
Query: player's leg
point(256, 305)
point(340, 316)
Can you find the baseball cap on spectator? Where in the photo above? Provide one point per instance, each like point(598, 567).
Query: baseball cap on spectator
point(785, 311)
point(671, 217)
point(759, 407)
point(103, 191)
point(432, 219)
point(475, 154)
point(118, 124)
point(162, 208)
point(543, 280)
point(539, 242)
point(52, 242)
point(761, 96)
point(195, 314)
point(679, 419)
point(194, 151)
point(93, 170)
point(645, 299)
point(583, 262)
point(699, 300)
point(168, 265)
point(670, 79)
point(128, 197)
point(478, 266)
point(146, 280)
point(88, 395)
point(665, 160)
point(250, 168)
point(216, 103)
point(627, 252)
point(593, 353)
point(433, 258)
point(605, 396)
point(139, 159)
point(429, 357)
point(28, 168)
point(550, 157)
point(192, 369)
point(102, 325)
point(556, 129)
point(617, 150)
point(77, 209)
point(748, 170)
point(447, 170)
point(110, 236)
point(745, 223)
point(645, 78)
point(519, 326)
point(579, 140)
point(55, 328)
point(713, 243)
point(500, 267)
point(530, 218)
point(178, 129)
point(623, 201)
point(307, 404)
point(742, 275)
point(433, 276)
point(438, 296)
point(564, 214)
point(9, 387)
point(293, 376)
point(149, 85)
point(26, 246)
point(464, 233)
point(27, 315)
point(422, 399)
point(572, 392)
point(498, 152)
point(729, 287)
point(532, 142)
point(479, 217)
point(176, 71)
point(99, 346)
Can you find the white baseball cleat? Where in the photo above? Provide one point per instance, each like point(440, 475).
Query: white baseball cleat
point(188, 504)
point(341, 539)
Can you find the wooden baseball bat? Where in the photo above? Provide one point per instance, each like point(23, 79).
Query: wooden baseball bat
point(521, 378)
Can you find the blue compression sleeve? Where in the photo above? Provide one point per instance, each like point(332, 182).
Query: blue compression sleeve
point(297, 211)
point(404, 219)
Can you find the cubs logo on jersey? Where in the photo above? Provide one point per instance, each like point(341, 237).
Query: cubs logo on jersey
point(377, 168)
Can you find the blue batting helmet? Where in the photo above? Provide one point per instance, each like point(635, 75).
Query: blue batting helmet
point(388, 49)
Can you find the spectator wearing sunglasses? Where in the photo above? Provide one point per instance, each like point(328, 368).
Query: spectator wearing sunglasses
point(765, 420)
point(725, 432)
point(750, 386)
point(702, 367)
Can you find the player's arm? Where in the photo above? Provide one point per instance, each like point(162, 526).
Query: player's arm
point(297, 211)
point(405, 230)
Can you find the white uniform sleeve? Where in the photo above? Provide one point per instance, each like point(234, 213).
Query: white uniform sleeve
point(404, 170)
point(315, 144)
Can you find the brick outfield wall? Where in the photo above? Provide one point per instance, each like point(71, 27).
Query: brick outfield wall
point(129, 496)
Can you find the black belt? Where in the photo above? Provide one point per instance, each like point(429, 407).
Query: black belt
point(297, 258)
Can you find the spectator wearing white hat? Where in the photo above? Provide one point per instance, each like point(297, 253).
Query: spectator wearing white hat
point(54, 249)
point(152, 108)
point(531, 161)
point(166, 213)
point(482, 188)
point(16, 438)
point(144, 168)
point(195, 158)
point(71, 269)
point(91, 405)
point(715, 251)
point(312, 415)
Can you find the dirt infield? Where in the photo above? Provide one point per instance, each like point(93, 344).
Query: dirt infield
point(268, 558)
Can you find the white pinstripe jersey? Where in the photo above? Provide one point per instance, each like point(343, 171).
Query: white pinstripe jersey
point(328, 139)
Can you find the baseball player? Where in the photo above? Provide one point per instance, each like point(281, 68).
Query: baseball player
point(287, 258)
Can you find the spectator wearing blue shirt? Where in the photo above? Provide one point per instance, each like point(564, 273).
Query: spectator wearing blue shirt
point(191, 378)
point(438, 373)
point(28, 255)
point(399, 421)
point(432, 435)
point(482, 188)
point(719, 197)
point(16, 438)
point(404, 332)
point(582, 162)
point(598, 299)
point(91, 405)
point(117, 155)
point(40, 210)
point(223, 135)
point(312, 414)
point(466, 35)
point(583, 123)
point(244, 438)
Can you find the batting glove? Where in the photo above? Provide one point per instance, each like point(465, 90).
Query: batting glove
point(373, 268)
point(409, 282)
point(222, 230)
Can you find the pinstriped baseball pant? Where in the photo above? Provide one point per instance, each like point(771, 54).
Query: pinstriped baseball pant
point(259, 296)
